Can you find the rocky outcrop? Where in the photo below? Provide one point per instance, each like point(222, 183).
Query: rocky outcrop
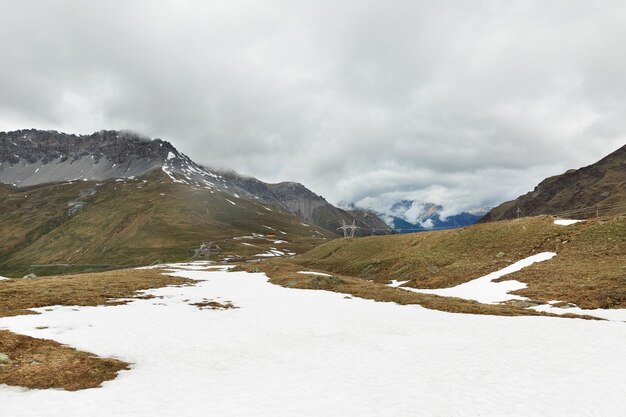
point(30, 157)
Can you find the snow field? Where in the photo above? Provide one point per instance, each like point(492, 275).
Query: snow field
point(288, 352)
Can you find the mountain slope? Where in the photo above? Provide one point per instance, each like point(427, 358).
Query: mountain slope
point(588, 269)
point(33, 157)
point(581, 193)
point(96, 224)
point(295, 198)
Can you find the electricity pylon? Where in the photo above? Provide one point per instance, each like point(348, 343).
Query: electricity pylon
point(348, 229)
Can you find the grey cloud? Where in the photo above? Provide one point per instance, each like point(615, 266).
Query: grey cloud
point(453, 102)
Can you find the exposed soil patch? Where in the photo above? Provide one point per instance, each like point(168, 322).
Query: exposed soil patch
point(214, 305)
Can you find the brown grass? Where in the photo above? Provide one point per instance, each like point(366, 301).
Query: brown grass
point(589, 270)
point(214, 305)
point(39, 363)
point(437, 259)
point(18, 295)
point(284, 273)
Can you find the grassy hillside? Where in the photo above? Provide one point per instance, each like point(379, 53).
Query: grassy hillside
point(589, 270)
point(439, 258)
point(93, 225)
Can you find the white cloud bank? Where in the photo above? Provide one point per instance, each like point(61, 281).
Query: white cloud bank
point(448, 102)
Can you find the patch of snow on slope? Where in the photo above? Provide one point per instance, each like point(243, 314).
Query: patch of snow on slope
point(566, 222)
point(395, 283)
point(266, 254)
point(231, 202)
point(169, 174)
point(321, 274)
point(3, 278)
point(484, 290)
point(289, 352)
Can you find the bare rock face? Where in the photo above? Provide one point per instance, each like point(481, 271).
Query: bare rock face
point(118, 146)
point(30, 157)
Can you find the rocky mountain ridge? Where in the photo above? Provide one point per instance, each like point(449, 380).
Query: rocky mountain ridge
point(597, 189)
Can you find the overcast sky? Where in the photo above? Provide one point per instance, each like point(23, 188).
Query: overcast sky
point(462, 103)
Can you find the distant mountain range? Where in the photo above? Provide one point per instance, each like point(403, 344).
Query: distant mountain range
point(118, 198)
point(597, 189)
point(408, 216)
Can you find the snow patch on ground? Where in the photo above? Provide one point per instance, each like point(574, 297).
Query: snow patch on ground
point(484, 290)
point(272, 252)
point(613, 314)
point(265, 254)
point(566, 222)
point(395, 283)
point(195, 265)
point(3, 278)
point(321, 274)
point(290, 352)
